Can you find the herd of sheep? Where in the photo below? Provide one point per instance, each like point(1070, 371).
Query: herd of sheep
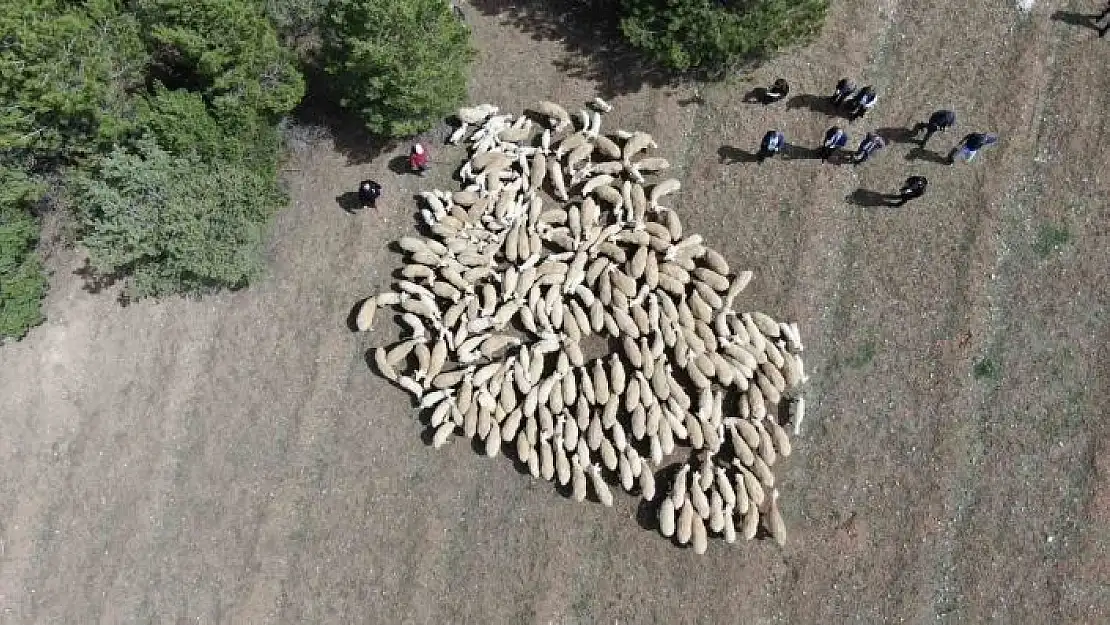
point(507, 293)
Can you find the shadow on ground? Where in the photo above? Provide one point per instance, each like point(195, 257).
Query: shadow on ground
point(588, 29)
point(319, 115)
point(1085, 20)
point(869, 199)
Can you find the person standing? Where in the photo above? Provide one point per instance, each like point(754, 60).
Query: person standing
point(773, 143)
point(844, 89)
point(779, 90)
point(418, 159)
point(871, 143)
point(368, 193)
point(835, 139)
point(863, 102)
point(1102, 30)
point(913, 188)
point(970, 146)
point(939, 121)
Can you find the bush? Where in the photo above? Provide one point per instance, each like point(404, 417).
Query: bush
point(22, 283)
point(712, 35)
point(400, 64)
point(174, 223)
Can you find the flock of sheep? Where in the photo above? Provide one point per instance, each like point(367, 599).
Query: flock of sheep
point(506, 294)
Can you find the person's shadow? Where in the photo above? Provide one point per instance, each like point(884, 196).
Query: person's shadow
point(870, 199)
point(815, 103)
point(349, 202)
point(897, 134)
point(921, 154)
point(756, 96)
point(400, 165)
point(793, 152)
point(1077, 19)
point(730, 155)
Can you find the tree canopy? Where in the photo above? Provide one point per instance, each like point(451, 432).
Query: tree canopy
point(401, 65)
point(712, 35)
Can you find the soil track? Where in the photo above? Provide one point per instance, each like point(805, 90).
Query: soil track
point(234, 460)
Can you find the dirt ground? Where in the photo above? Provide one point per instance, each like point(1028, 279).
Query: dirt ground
point(234, 460)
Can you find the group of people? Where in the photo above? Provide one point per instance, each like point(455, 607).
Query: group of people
point(369, 190)
point(854, 104)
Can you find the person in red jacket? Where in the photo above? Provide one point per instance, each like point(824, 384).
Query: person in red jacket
point(418, 159)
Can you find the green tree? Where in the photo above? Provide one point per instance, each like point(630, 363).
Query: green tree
point(400, 64)
point(226, 50)
point(65, 72)
point(22, 283)
point(174, 223)
point(711, 35)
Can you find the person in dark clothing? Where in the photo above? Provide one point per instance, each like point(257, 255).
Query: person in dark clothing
point(913, 188)
point(862, 102)
point(970, 146)
point(773, 143)
point(1102, 30)
point(938, 122)
point(871, 143)
point(368, 193)
point(835, 139)
point(778, 91)
point(844, 88)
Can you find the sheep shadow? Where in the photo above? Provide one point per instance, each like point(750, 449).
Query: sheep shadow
point(730, 155)
point(815, 103)
point(921, 154)
point(869, 199)
point(349, 202)
point(1076, 19)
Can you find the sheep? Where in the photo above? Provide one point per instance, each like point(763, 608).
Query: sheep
point(661, 292)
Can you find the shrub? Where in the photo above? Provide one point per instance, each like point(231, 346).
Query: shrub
point(400, 64)
point(22, 283)
point(174, 223)
point(712, 35)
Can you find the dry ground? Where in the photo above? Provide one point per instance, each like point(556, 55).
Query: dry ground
point(234, 460)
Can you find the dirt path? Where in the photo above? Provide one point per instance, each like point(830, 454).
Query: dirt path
point(234, 460)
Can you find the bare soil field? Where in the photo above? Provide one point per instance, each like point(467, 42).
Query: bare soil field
point(234, 460)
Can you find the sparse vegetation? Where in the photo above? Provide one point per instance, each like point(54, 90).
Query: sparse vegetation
point(1050, 238)
point(987, 369)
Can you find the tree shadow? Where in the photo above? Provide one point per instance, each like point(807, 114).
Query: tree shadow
point(921, 154)
point(1076, 19)
point(349, 202)
point(869, 199)
point(94, 280)
point(897, 134)
point(815, 103)
point(589, 32)
point(320, 109)
point(730, 155)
